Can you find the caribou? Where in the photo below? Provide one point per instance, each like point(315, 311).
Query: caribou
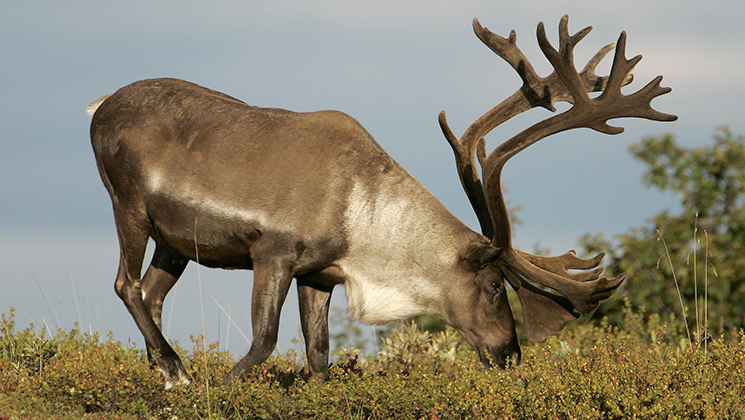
point(313, 197)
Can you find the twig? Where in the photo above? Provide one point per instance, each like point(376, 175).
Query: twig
point(50, 307)
point(229, 318)
point(695, 278)
point(677, 287)
point(706, 291)
point(85, 289)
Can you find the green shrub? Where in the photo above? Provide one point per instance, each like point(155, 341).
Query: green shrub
point(641, 371)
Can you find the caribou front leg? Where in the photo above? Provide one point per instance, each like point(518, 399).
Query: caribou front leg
point(272, 280)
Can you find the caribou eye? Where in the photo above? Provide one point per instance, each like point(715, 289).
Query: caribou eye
point(497, 287)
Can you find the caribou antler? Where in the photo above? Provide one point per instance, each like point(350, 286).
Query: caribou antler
point(535, 91)
point(581, 290)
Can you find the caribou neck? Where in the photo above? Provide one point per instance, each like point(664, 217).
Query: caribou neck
point(386, 278)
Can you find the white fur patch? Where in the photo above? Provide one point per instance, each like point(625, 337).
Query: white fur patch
point(202, 200)
point(91, 110)
point(374, 302)
point(384, 281)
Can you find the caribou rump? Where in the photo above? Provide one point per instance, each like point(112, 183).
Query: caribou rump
point(313, 197)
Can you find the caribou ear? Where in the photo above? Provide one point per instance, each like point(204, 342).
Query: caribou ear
point(477, 256)
point(544, 313)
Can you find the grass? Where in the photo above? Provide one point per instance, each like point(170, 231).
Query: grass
point(646, 370)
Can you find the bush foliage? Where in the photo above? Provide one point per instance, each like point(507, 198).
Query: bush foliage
point(701, 244)
point(590, 371)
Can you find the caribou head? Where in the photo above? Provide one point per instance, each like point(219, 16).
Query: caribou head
point(545, 312)
point(312, 197)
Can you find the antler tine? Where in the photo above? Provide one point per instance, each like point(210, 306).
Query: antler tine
point(563, 60)
point(584, 295)
point(566, 40)
point(507, 49)
point(592, 80)
point(612, 103)
point(642, 97)
point(620, 64)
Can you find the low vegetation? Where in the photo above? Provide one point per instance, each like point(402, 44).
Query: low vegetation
point(645, 370)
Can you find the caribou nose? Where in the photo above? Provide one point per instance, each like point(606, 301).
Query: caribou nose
point(515, 357)
point(503, 355)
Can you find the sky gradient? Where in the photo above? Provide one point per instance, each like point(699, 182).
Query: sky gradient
point(393, 65)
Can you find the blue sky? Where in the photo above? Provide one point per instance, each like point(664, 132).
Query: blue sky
point(393, 65)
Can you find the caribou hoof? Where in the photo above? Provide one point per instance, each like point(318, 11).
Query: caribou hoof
point(174, 373)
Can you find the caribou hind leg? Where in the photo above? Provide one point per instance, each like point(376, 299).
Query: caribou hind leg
point(163, 273)
point(315, 296)
point(133, 236)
